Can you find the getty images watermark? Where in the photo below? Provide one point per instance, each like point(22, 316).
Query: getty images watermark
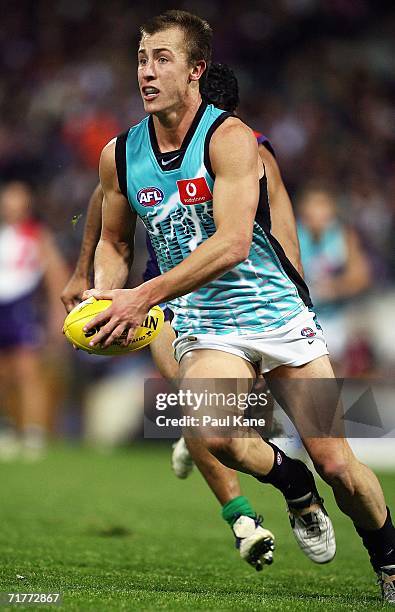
point(196, 401)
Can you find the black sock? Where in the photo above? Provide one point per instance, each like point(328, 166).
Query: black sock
point(380, 543)
point(292, 478)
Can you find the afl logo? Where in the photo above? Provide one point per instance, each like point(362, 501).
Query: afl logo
point(150, 196)
point(307, 332)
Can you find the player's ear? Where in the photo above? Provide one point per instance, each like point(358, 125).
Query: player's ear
point(197, 70)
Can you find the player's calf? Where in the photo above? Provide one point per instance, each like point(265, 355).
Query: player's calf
point(249, 455)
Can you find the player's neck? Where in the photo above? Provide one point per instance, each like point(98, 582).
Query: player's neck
point(172, 126)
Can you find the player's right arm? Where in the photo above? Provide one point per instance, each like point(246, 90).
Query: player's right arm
point(80, 279)
point(114, 252)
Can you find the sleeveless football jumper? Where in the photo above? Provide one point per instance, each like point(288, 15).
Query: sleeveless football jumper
point(172, 194)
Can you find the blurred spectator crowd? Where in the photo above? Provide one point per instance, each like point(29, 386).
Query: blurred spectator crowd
point(316, 76)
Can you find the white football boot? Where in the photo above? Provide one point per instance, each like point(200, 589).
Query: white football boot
point(386, 580)
point(311, 525)
point(255, 543)
point(314, 532)
point(181, 460)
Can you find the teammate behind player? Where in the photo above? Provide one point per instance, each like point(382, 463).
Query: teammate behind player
point(228, 258)
point(335, 264)
point(220, 88)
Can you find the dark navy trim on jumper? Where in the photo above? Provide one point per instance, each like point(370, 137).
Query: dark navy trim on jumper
point(219, 120)
point(172, 160)
point(120, 162)
point(262, 217)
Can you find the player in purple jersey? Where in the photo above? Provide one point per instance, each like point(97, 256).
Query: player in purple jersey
point(32, 271)
point(220, 89)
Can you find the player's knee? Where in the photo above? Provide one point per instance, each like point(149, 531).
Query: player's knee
point(335, 470)
point(331, 469)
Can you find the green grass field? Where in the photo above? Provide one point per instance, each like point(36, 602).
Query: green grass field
point(120, 532)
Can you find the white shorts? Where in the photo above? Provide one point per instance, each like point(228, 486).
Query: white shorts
point(297, 342)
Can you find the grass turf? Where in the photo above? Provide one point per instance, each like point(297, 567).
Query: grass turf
point(120, 532)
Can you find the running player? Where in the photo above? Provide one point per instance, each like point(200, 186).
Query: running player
point(214, 253)
point(221, 88)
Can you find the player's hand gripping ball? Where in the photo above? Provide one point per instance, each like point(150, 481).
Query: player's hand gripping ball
point(89, 309)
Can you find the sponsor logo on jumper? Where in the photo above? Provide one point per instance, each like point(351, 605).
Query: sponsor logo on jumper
point(194, 191)
point(150, 196)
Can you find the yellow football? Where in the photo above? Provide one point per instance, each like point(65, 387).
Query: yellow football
point(89, 309)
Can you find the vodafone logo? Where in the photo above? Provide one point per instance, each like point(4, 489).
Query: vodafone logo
point(191, 190)
point(150, 196)
point(194, 191)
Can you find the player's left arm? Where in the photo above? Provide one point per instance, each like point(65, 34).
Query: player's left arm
point(236, 165)
point(80, 278)
point(56, 274)
point(281, 210)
